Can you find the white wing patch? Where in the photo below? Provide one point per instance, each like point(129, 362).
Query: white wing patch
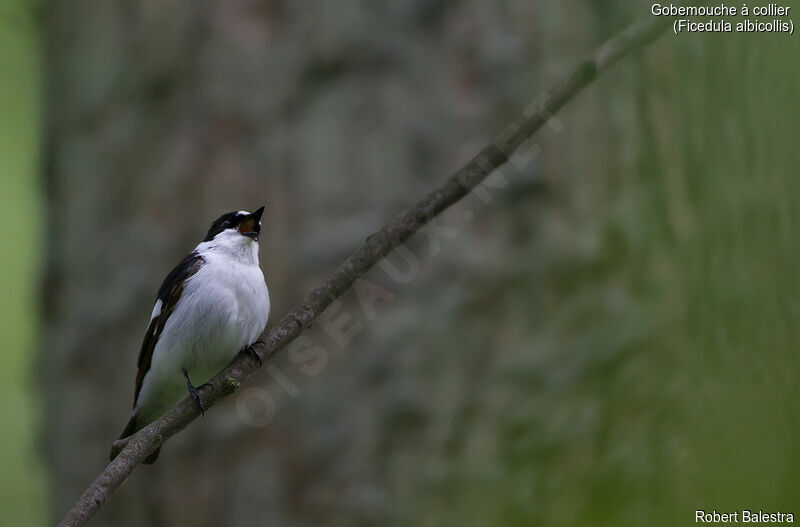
point(156, 309)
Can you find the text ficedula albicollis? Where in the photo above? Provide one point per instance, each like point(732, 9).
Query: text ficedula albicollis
point(211, 306)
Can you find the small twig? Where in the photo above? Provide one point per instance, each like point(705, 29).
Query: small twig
point(135, 449)
point(119, 444)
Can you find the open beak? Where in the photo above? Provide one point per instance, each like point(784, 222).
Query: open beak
point(251, 225)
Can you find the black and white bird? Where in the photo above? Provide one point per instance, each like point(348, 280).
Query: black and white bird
point(210, 307)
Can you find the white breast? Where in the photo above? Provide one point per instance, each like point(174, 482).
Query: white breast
point(224, 308)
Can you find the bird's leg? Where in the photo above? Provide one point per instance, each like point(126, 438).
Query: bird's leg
point(195, 391)
point(251, 349)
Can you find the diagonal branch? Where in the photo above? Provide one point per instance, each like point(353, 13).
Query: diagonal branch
point(378, 245)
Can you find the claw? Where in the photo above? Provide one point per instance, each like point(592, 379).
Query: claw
point(251, 349)
point(195, 392)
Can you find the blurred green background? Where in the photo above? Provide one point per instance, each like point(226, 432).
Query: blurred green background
point(611, 341)
point(22, 484)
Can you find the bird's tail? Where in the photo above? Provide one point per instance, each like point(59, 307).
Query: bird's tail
point(131, 428)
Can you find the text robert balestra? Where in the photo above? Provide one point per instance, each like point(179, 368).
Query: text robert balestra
point(743, 516)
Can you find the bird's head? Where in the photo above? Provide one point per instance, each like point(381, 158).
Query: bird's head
point(235, 225)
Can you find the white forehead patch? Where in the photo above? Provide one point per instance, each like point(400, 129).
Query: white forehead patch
point(242, 213)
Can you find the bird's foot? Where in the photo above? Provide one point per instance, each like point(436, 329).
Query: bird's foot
point(251, 349)
point(195, 392)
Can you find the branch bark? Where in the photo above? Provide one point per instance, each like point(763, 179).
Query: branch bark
point(377, 245)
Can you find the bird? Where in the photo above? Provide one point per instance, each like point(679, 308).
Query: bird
point(212, 306)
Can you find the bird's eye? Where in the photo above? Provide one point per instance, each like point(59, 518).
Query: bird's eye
point(226, 224)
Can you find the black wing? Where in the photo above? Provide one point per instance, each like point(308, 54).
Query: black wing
point(169, 293)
